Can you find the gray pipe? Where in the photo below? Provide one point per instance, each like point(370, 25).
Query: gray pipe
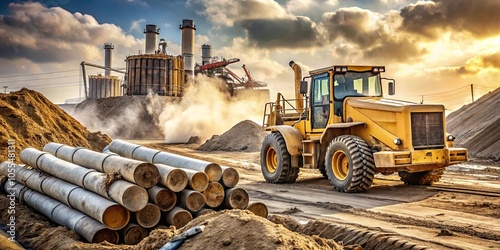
point(133, 234)
point(214, 194)
point(175, 179)
point(191, 200)
point(131, 196)
point(258, 208)
point(134, 151)
point(197, 181)
point(230, 177)
point(236, 198)
point(178, 217)
point(149, 216)
point(164, 198)
point(109, 213)
point(88, 228)
point(143, 174)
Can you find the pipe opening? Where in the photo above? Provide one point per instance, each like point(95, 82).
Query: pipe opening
point(214, 172)
point(199, 181)
point(115, 217)
point(230, 177)
point(146, 175)
point(166, 200)
point(177, 180)
point(106, 234)
point(135, 198)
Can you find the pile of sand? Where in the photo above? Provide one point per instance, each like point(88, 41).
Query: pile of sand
point(125, 117)
point(32, 120)
point(476, 126)
point(244, 136)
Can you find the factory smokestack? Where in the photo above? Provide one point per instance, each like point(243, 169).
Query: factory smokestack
point(108, 57)
point(163, 46)
point(188, 29)
point(151, 32)
point(206, 53)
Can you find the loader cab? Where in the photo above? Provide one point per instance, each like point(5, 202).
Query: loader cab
point(334, 84)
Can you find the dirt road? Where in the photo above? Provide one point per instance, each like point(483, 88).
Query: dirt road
point(432, 216)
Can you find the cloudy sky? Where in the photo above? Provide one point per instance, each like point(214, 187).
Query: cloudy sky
point(434, 49)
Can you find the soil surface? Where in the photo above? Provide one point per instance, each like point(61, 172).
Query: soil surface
point(30, 119)
point(422, 215)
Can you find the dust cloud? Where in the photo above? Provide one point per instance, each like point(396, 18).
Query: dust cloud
point(207, 109)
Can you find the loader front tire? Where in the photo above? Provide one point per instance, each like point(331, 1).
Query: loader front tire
point(275, 160)
point(421, 178)
point(349, 164)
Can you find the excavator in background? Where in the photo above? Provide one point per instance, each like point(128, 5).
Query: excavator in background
point(233, 82)
point(341, 123)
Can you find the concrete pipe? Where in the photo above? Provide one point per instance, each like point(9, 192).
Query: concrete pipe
point(88, 228)
point(204, 211)
point(178, 217)
point(85, 158)
point(54, 166)
point(191, 200)
point(143, 174)
point(149, 216)
point(175, 179)
point(197, 181)
point(111, 214)
point(53, 187)
point(259, 209)
point(214, 194)
point(132, 234)
point(230, 177)
point(236, 198)
point(127, 149)
point(164, 198)
point(131, 196)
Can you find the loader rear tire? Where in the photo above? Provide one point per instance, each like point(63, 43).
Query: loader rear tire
point(349, 164)
point(275, 160)
point(421, 178)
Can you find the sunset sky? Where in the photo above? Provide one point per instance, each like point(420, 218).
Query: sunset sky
point(435, 49)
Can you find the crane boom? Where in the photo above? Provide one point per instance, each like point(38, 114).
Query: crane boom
point(218, 64)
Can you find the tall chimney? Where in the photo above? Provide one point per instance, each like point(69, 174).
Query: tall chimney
point(206, 53)
point(108, 57)
point(151, 32)
point(188, 29)
point(163, 46)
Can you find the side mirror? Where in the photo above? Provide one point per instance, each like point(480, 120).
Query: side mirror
point(303, 87)
point(392, 88)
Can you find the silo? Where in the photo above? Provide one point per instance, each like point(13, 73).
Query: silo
point(103, 86)
point(151, 32)
point(206, 53)
point(158, 73)
point(187, 46)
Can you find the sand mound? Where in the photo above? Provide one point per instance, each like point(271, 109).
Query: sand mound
point(238, 229)
point(244, 136)
point(476, 126)
point(126, 117)
point(32, 120)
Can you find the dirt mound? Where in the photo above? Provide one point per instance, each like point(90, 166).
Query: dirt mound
point(476, 126)
point(30, 119)
point(244, 136)
point(238, 229)
point(126, 117)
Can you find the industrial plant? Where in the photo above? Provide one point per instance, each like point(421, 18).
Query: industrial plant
point(156, 71)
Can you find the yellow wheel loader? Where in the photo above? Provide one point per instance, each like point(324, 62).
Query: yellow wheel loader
point(340, 123)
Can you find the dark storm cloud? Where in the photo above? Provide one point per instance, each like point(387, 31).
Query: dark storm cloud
point(371, 34)
point(42, 34)
point(300, 32)
point(479, 18)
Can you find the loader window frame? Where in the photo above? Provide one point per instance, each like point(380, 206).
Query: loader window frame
point(320, 100)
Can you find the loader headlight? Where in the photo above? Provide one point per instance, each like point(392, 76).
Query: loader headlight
point(450, 138)
point(397, 141)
